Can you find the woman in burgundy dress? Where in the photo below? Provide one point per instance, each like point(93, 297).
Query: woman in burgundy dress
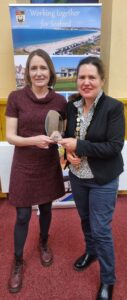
point(36, 176)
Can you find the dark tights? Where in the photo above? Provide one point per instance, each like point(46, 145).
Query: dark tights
point(22, 225)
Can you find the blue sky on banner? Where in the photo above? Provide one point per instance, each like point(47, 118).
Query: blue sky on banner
point(59, 62)
point(42, 16)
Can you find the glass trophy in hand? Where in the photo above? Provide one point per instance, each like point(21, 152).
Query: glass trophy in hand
point(54, 125)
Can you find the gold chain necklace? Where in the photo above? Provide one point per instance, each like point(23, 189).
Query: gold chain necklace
point(77, 130)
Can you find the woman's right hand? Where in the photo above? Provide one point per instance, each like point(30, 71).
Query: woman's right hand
point(42, 141)
point(73, 158)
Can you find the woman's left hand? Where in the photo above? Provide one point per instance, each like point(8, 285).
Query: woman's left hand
point(69, 144)
point(73, 158)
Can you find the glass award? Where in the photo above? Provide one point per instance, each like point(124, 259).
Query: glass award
point(54, 125)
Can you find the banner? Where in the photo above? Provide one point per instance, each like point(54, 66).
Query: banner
point(67, 32)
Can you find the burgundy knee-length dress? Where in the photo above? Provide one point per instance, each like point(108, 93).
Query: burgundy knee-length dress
point(36, 175)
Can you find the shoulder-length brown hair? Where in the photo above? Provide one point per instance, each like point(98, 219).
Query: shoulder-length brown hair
point(47, 59)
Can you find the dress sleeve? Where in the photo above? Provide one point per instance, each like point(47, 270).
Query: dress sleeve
point(11, 108)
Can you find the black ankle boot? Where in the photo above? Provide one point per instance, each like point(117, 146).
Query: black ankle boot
point(105, 292)
point(84, 261)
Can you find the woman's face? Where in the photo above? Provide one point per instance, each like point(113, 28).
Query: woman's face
point(89, 82)
point(39, 72)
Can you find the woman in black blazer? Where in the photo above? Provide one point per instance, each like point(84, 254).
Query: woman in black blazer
point(94, 140)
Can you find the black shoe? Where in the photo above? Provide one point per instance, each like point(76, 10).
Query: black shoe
point(84, 261)
point(105, 292)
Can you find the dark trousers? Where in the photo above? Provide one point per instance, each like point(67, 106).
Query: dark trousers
point(22, 225)
point(95, 204)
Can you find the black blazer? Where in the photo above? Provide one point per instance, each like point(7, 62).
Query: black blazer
point(104, 139)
